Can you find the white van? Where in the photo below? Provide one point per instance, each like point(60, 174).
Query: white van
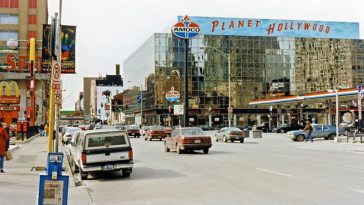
point(101, 151)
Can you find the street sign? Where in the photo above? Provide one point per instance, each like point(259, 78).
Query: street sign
point(58, 97)
point(359, 88)
point(139, 98)
point(56, 73)
point(178, 109)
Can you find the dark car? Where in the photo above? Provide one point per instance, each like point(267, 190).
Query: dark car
point(288, 127)
point(188, 138)
point(264, 127)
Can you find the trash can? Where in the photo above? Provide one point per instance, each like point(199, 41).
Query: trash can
point(256, 134)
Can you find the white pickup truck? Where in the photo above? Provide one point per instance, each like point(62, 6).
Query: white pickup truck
point(101, 151)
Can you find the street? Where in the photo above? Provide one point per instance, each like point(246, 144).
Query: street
point(271, 170)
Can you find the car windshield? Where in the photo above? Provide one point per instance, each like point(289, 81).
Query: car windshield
point(133, 127)
point(234, 129)
point(192, 131)
point(156, 128)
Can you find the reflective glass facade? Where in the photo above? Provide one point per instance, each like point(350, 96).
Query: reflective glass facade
point(261, 67)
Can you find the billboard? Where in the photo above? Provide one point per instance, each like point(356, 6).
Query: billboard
point(276, 27)
point(68, 50)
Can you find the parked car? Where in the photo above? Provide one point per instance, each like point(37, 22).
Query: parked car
point(133, 130)
point(264, 127)
point(231, 134)
point(319, 131)
point(119, 126)
point(101, 151)
point(188, 138)
point(69, 131)
point(288, 127)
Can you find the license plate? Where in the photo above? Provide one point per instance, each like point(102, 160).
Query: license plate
point(132, 133)
point(107, 167)
point(197, 141)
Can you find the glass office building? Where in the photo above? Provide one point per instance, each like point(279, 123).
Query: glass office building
point(260, 67)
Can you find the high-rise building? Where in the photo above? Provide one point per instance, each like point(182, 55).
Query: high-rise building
point(21, 20)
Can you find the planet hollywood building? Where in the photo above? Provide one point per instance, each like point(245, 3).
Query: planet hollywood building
point(268, 58)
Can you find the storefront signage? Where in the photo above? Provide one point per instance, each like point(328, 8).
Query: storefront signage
point(172, 95)
point(276, 27)
point(9, 108)
point(11, 95)
point(186, 29)
point(20, 63)
point(177, 109)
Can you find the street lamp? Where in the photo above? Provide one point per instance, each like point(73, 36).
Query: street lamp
point(337, 112)
point(141, 100)
point(227, 57)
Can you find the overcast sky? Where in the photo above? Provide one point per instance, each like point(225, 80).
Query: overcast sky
point(108, 31)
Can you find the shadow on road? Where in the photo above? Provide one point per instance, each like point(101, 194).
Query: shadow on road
point(139, 173)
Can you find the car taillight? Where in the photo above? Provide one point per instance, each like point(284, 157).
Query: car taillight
point(131, 155)
point(187, 141)
point(83, 157)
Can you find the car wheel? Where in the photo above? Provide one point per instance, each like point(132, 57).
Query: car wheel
point(126, 173)
point(150, 139)
point(145, 138)
point(332, 136)
point(206, 150)
point(166, 147)
point(160, 139)
point(225, 140)
point(300, 138)
point(232, 141)
point(242, 140)
point(217, 139)
point(282, 131)
point(178, 149)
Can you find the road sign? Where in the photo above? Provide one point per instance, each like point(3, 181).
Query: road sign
point(139, 98)
point(56, 73)
point(359, 88)
point(178, 109)
point(58, 97)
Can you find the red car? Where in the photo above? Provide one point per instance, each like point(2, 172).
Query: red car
point(188, 138)
point(168, 130)
point(155, 132)
point(133, 130)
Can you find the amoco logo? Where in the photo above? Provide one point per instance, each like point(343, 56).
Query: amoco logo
point(186, 29)
point(172, 95)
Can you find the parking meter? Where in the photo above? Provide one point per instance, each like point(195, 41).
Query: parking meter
point(53, 186)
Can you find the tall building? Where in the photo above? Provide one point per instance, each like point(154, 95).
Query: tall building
point(268, 58)
point(21, 20)
point(87, 94)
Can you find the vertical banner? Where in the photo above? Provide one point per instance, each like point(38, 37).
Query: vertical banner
point(68, 53)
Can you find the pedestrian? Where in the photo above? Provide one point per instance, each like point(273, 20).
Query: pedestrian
point(4, 138)
point(46, 129)
point(41, 130)
point(308, 128)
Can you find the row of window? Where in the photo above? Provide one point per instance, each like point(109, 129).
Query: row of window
point(6, 35)
point(15, 4)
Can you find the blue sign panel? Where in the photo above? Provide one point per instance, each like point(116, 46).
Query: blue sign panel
point(139, 98)
point(276, 28)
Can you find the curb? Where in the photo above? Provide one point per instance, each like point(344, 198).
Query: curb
point(27, 140)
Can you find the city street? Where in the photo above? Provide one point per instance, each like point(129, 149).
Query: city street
point(271, 170)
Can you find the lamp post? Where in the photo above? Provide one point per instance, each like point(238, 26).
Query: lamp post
point(227, 57)
point(141, 100)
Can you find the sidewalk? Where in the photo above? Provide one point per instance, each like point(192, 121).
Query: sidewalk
point(19, 185)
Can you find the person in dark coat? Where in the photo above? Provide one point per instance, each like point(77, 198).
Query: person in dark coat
point(4, 138)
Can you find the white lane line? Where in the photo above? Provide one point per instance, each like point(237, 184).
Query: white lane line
point(273, 172)
point(357, 190)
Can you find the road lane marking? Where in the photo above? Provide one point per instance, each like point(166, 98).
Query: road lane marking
point(274, 172)
point(357, 190)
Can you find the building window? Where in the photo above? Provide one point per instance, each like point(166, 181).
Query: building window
point(32, 34)
point(32, 19)
point(6, 35)
point(9, 3)
point(9, 19)
point(32, 4)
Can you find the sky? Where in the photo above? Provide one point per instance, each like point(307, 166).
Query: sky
point(109, 31)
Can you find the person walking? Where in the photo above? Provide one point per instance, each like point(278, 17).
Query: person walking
point(41, 130)
point(4, 138)
point(46, 129)
point(308, 128)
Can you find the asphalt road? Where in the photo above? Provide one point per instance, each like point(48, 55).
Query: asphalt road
point(271, 170)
